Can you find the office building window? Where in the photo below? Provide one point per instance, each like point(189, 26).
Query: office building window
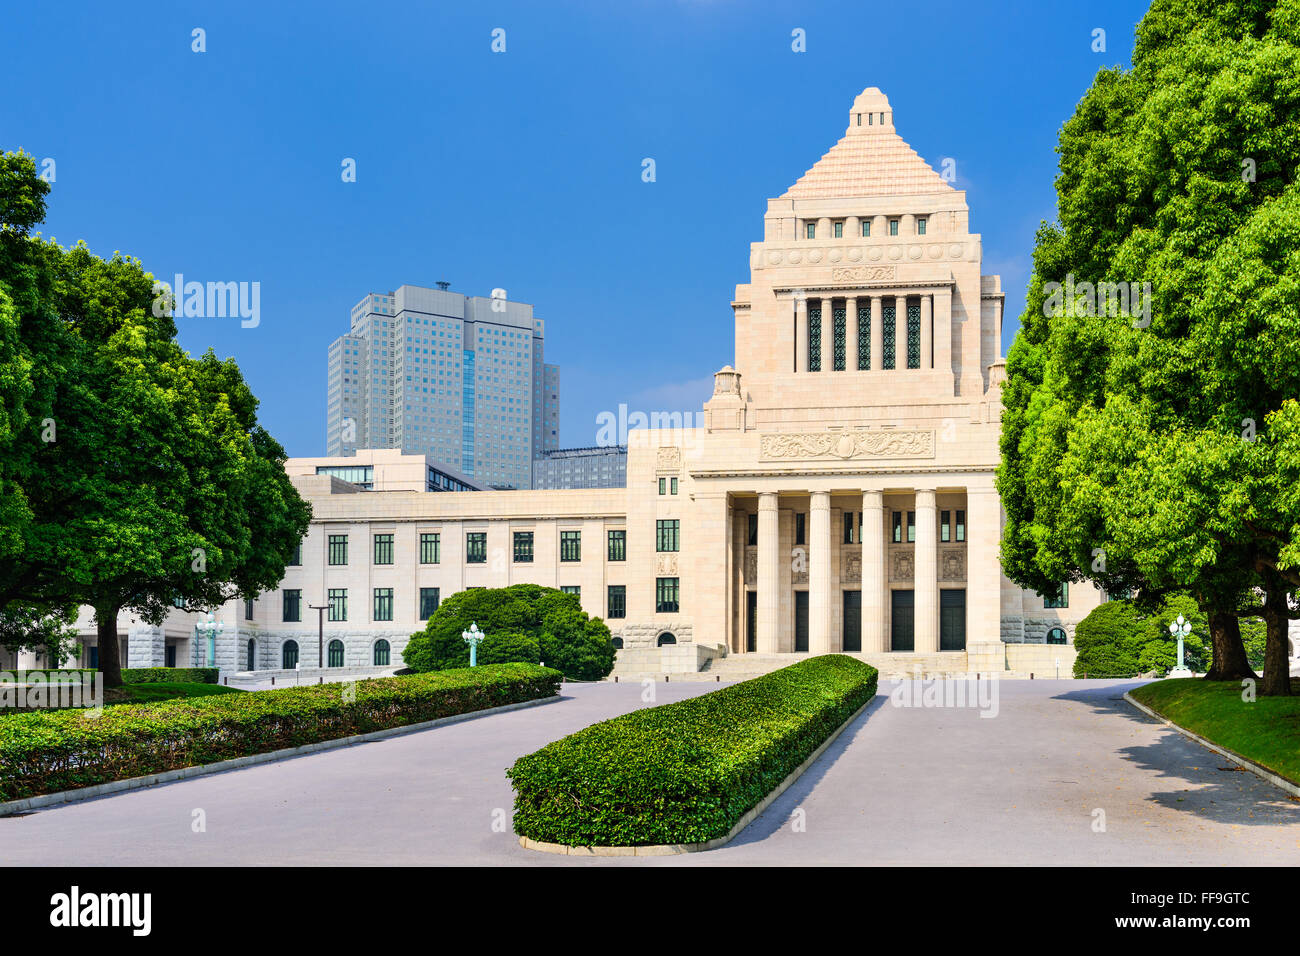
point(752, 537)
point(618, 545)
point(848, 527)
point(920, 226)
point(893, 227)
point(338, 604)
point(428, 602)
point(897, 537)
point(383, 604)
point(476, 547)
point(888, 352)
point(839, 230)
point(864, 335)
point(1059, 598)
point(961, 526)
point(617, 601)
point(815, 338)
point(338, 549)
point(914, 335)
point(523, 547)
point(382, 653)
point(570, 545)
point(383, 549)
point(672, 486)
point(571, 589)
point(292, 605)
point(663, 486)
point(430, 547)
point(667, 534)
point(800, 528)
point(666, 595)
point(839, 330)
point(810, 230)
point(911, 526)
point(295, 560)
point(866, 229)
point(248, 609)
point(945, 529)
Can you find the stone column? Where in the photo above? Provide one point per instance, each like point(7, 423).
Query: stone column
point(873, 572)
point(877, 346)
point(851, 333)
point(927, 354)
point(769, 574)
point(943, 330)
point(828, 334)
point(800, 334)
point(925, 574)
point(819, 574)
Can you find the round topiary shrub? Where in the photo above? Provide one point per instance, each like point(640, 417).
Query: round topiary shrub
point(524, 622)
point(1109, 641)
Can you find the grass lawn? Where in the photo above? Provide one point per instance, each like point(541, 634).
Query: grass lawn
point(1266, 730)
point(149, 693)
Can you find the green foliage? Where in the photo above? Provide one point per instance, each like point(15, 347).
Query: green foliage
point(523, 622)
point(169, 675)
point(685, 772)
point(1119, 639)
point(170, 690)
point(71, 673)
point(45, 752)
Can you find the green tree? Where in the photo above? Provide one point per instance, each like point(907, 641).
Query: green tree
point(523, 622)
point(1164, 439)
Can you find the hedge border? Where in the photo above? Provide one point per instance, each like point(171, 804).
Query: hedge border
point(752, 814)
point(1246, 763)
point(46, 800)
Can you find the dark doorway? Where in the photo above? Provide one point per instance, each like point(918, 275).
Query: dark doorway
point(952, 619)
point(169, 655)
point(902, 636)
point(252, 657)
point(667, 637)
point(853, 621)
point(800, 621)
point(751, 621)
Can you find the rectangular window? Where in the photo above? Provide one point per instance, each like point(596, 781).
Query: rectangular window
point(383, 604)
point(570, 545)
point(898, 527)
point(864, 335)
point(292, 605)
point(428, 602)
point(295, 561)
point(893, 227)
point(961, 526)
point(617, 544)
point(383, 549)
point(571, 589)
point(617, 601)
point(866, 229)
point(672, 486)
point(476, 547)
point(666, 595)
point(810, 230)
point(338, 604)
point(248, 609)
point(430, 547)
point(815, 338)
point(752, 536)
point(338, 549)
point(1059, 598)
point(663, 486)
point(667, 533)
point(839, 230)
point(920, 226)
point(839, 333)
point(800, 528)
point(848, 527)
point(945, 529)
point(523, 547)
point(914, 335)
point(888, 330)
point(911, 526)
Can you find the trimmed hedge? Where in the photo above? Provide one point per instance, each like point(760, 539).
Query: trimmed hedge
point(169, 675)
point(685, 772)
point(72, 672)
point(49, 751)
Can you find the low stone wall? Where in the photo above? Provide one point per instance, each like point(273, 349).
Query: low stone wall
point(1041, 659)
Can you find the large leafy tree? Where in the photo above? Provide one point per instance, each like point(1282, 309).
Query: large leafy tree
point(151, 482)
point(1155, 448)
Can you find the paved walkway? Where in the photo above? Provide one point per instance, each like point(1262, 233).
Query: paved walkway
point(901, 786)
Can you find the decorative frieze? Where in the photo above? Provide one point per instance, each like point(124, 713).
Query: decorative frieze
point(668, 458)
point(810, 446)
point(952, 564)
point(864, 274)
point(666, 564)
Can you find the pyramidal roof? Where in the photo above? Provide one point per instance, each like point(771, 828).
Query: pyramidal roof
point(871, 159)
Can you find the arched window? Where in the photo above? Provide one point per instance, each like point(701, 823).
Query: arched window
point(1056, 636)
point(336, 653)
point(617, 642)
point(289, 655)
point(666, 638)
point(381, 653)
point(252, 655)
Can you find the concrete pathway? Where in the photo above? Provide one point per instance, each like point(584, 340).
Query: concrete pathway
point(903, 785)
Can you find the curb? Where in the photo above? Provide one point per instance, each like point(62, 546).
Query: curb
point(1245, 762)
point(45, 800)
point(672, 849)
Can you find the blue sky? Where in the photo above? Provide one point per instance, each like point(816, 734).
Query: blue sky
point(519, 170)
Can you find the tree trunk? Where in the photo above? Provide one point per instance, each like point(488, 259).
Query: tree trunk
point(110, 660)
point(1229, 661)
point(1277, 664)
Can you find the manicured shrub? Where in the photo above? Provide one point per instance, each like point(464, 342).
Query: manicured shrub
point(169, 675)
point(524, 622)
point(70, 673)
point(1118, 640)
point(49, 751)
point(685, 772)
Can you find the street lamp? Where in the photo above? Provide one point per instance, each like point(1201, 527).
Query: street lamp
point(320, 633)
point(210, 629)
point(473, 637)
point(1180, 629)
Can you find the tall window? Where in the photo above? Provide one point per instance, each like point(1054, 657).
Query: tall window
point(672, 486)
point(292, 604)
point(667, 534)
point(289, 655)
point(945, 529)
point(428, 602)
point(295, 561)
point(815, 337)
point(848, 527)
point(897, 536)
point(570, 545)
point(382, 653)
point(752, 536)
point(920, 226)
point(839, 230)
point(800, 528)
point(338, 549)
point(961, 526)
point(839, 331)
point(888, 327)
point(866, 229)
point(864, 334)
point(914, 335)
point(248, 609)
point(663, 486)
point(616, 603)
point(893, 227)
point(430, 547)
point(810, 230)
point(383, 549)
point(911, 526)
point(383, 604)
point(523, 547)
point(476, 547)
point(617, 545)
point(1058, 598)
point(338, 604)
point(336, 654)
point(666, 595)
